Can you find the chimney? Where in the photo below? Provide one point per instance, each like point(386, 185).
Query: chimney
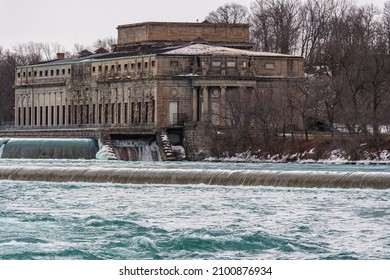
point(60, 56)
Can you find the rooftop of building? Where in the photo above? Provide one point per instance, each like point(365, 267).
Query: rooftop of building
point(160, 49)
point(158, 23)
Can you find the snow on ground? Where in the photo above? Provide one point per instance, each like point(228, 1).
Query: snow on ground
point(335, 156)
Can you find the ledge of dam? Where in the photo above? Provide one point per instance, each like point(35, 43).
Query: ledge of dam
point(303, 179)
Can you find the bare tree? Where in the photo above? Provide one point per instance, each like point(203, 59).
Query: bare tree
point(78, 48)
point(315, 19)
point(279, 23)
point(229, 13)
point(7, 77)
point(262, 36)
point(105, 43)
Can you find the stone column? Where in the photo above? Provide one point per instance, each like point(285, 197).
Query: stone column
point(195, 104)
point(39, 123)
point(206, 104)
point(61, 110)
point(96, 102)
point(223, 106)
point(17, 116)
point(23, 112)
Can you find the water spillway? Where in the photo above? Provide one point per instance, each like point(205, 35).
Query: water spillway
point(142, 149)
point(48, 148)
point(318, 179)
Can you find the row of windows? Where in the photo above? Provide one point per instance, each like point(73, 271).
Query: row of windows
point(229, 64)
point(45, 73)
point(63, 72)
point(126, 67)
point(80, 114)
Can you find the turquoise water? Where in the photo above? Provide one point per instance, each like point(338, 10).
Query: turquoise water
point(46, 220)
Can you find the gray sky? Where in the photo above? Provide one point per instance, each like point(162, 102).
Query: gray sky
point(84, 21)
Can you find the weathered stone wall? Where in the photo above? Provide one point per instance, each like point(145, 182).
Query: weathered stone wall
point(171, 32)
point(169, 93)
point(196, 141)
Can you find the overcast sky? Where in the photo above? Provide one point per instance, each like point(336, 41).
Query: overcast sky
point(84, 21)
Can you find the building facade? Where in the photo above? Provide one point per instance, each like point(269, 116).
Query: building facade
point(161, 76)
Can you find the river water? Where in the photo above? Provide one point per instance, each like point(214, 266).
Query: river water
point(103, 220)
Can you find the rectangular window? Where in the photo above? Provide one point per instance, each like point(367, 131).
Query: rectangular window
point(35, 115)
point(93, 113)
point(153, 63)
point(146, 112)
point(69, 114)
point(139, 108)
point(231, 64)
point(18, 74)
point(58, 115)
point(40, 115)
point(63, 71)
point(174, 63)
point(29, 73)
point(146, 65)
point(153, 104)
point(52, 115)
point(46, 115)
point(112, 113)
point(87, 113)
point(81, 114)
point(93, 69)
point(75, 115)
point(19, 111)
point(51, 72)
point(35, 73)
point(63, 114)
point(100, 113)
point(29, 115)
point(132, 66)
point(100, 68)
point(269, 66)
point(139, 65)
point(132, 112)
point(126, 66)
point(40, 73)
point(24, 115)
point(69, 71)
point(216, 63)
point(58, 72)
point(173, 110)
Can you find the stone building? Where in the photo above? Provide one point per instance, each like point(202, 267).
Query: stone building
point(162, 77)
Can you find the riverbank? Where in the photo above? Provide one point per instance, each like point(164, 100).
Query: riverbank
point(345, 151)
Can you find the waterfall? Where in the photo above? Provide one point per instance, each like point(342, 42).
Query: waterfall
point(2, 145)
point(144, 149)
point(49, 148)
point(377, 180)
point(1, 149)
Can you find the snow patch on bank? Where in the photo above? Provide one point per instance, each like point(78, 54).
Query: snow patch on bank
point(337, 156)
